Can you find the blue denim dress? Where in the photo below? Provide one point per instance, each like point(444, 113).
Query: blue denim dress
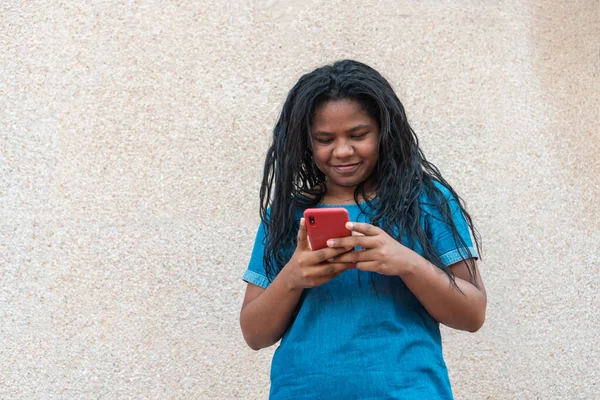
point(361, 335)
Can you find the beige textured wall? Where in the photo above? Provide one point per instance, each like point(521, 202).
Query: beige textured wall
point(132, 136)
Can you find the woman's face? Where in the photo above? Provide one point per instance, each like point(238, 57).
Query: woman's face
point(344, 144)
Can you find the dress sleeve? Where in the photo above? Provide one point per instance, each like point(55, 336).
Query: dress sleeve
point(450, 249)
point(255, 273)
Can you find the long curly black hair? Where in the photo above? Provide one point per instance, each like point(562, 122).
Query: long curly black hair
point(291, 180)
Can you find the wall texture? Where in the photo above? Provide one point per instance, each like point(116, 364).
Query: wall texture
point(132, 137)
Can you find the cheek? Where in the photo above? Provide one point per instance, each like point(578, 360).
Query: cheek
point(370, 150)
point(320, 156)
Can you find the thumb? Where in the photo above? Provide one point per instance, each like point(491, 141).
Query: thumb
point(302, 236)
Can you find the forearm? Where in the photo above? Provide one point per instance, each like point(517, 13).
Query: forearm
point(444, 302)
point(265, 319)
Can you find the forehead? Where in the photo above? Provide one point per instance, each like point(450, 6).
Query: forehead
point(339, 115)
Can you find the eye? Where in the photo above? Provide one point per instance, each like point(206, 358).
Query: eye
point(359, 136)
point(324, 141)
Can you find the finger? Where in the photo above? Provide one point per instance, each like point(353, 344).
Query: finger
point(352, 242)
point(361, 227)
point(347, 247)
point(327, 253)
point(324, 279)
point(336, 274)
point(354, 233)
point(302, 236)
point(317, 272)
point(370, 266)
point(354, 257)
point(330, 269)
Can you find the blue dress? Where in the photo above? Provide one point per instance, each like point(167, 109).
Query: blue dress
point(361, 335)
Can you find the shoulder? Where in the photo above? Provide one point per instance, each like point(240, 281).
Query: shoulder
point(443, 190)
point(436, 195)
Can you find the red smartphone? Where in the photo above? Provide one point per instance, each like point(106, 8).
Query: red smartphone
point(323, 224)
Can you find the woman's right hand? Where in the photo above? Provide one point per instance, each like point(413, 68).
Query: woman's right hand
point(308, 268)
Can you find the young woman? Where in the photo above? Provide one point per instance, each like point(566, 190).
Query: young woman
point(370, 332)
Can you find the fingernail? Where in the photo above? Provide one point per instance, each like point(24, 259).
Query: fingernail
point(330, 243)
point(349, 225)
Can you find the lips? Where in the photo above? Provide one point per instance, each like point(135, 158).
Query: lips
point(345, 168)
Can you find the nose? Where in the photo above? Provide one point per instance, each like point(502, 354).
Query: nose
point(343, 150)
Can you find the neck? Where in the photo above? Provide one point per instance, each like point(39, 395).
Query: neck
point(345, 195)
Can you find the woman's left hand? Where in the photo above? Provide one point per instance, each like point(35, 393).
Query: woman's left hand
point(382, 253)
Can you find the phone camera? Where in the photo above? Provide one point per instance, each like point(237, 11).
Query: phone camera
point(311, 220)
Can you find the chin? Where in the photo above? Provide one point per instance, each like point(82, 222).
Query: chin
point(348, 184)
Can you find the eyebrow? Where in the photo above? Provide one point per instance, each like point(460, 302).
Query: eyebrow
point(356, 128)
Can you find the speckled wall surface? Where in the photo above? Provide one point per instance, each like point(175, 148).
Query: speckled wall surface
point(132, 137)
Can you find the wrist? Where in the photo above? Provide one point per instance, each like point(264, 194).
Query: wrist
point(287, 279)
point(411, 265)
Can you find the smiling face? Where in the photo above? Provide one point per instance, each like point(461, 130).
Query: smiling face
point(345, 146)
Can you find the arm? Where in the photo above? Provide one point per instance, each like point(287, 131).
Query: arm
point(431, 286)
point(266, 313)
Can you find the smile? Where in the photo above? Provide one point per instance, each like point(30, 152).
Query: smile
point(345, 168)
